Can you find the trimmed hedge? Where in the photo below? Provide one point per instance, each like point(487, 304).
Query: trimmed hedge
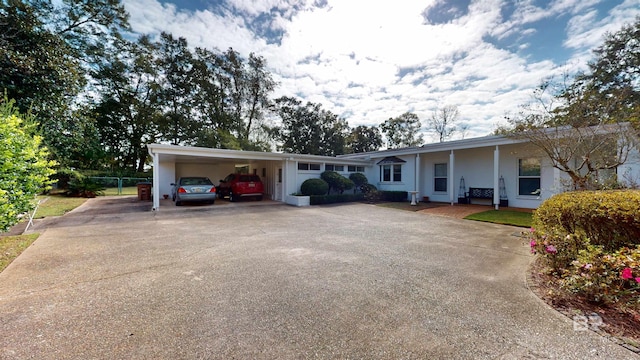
point(394, 196)
point(607, 218)
point(314, 187)
point(332, 199)
point(336, 181)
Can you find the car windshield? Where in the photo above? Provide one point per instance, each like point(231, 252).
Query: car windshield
point(195, 181)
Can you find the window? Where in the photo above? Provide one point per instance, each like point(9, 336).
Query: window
point(307, 166)
point(353, 168)
point(332, 167)
point(440, 177)
point(529, 177)
point(390, 173)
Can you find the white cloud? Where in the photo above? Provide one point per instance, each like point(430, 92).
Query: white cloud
point(374, 60)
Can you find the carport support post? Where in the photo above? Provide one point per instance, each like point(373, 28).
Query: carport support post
point(416, 185)
point(496, 177)
point(452, 159)
point(156, 181)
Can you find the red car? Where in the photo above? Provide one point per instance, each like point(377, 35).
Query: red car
point(237, 186)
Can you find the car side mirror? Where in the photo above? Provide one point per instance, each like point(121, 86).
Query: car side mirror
point(173, 184)
point(222, 180)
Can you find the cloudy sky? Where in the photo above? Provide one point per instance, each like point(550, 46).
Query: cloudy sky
point(369, 60)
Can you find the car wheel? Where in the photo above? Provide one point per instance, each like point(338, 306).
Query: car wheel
point(173, 198)
point(212, 202)
point(232, 197)
point(260, 198)
point(178, 203)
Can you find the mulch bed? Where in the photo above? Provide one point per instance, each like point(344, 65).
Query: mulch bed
point(620, 322)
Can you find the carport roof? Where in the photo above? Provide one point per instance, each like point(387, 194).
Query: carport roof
point(176, 152)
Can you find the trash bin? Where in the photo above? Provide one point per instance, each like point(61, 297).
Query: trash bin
point(144, 191)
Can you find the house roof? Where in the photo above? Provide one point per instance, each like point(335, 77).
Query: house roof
point(391, 160)
point(493, 140)
point(201, 154)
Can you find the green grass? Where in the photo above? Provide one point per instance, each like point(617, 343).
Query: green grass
point(12, 246)
point(56, 205)
point(129, 190)
point(505, 217)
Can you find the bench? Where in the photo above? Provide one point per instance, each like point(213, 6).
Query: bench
point(480, 193)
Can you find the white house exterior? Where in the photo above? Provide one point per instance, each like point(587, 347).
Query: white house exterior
point(511, 169)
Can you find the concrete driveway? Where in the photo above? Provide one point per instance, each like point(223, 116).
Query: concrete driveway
point(356, 281)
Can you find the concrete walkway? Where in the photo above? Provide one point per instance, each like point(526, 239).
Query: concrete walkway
point(356, 281)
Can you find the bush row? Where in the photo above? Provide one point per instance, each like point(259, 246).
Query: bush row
point(589, 241)
point(607, 218)
point(336, 198)
point(394, 196)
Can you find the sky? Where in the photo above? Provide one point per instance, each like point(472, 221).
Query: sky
point(370, 60)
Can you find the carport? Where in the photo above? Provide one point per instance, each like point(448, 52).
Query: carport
point(279, 171)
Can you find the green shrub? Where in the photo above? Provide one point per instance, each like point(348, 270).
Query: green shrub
point(359, 180)
point(336, 198)
point(589, 241)
point(606, 218)
point(84, 187)
point(314, 187)
point(64, 176)
point(394, 196)
point(336, 181)
point(602, 277)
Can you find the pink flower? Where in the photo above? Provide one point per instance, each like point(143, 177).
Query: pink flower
point(587, 266)
point(626, 274)
point(532, 243)
point(532, 230)
point(551, 249)
point(638, 279)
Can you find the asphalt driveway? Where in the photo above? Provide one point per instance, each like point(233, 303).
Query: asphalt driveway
point(276, 282)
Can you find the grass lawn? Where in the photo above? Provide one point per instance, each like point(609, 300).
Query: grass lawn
point(129, 190)
point(12, 246)
point(56, 205)
point(506, 217)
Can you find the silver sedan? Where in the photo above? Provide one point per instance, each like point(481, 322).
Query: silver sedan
point(199, 189)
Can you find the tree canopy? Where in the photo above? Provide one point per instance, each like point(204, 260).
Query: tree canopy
point(402, 131)
point(584, 123)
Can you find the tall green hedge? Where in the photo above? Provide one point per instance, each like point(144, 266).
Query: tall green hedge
point(335, 198)
point(608, 218)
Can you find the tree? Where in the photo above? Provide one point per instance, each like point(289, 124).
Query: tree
point(128, 108)
point(402, 131)
point(584, 124)
point(443, 121)
point(24, 168)
point(363, 139)
point(176, 90)
point(309, 129)
point(47, 50)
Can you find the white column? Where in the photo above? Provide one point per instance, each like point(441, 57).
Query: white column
point(496, 177)
point(156, 181)
point(416, 186)
point(285, 174)
point(452, 159)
